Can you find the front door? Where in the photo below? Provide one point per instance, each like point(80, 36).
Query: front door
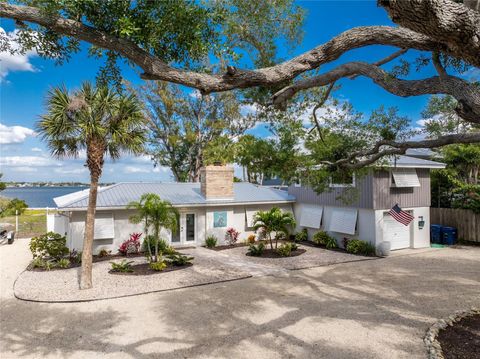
point(187, 227)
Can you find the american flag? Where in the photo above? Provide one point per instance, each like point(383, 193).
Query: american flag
point(401, 216)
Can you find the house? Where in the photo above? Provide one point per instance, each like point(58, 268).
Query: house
point(206, 208)
point(404, 180)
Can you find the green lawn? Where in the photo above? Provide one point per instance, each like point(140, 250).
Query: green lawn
point(31, 223)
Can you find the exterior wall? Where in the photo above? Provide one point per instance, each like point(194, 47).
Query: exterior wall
point(419, 238)
point(385, 196)
point(364, 193)
point(365, 223)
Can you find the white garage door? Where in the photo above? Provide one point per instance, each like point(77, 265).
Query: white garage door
point(396, 233)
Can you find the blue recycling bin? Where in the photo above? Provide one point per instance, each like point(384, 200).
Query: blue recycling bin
point(449, 235)
point(436, 233)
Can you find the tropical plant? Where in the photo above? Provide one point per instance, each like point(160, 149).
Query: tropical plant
point(302, 235)
point(211, 241)
point(13, 207)
point(156, 214)
point(131, 245)
point(285, 249)
point(256, 250)
point(63, 263)
point(75, 257)
point(273, 221)
point(124, 266)
point(321, 238)
point(49, 246)
point(100, 121)
point(231, 236)
point(178, 259)
point(356, 246)
point(251, 239)
point(331, 242)
point(158, 265)
point(103, 253)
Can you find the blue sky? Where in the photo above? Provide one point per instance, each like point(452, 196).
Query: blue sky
point(24, 81)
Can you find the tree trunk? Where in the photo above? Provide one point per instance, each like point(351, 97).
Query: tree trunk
point(95, 151)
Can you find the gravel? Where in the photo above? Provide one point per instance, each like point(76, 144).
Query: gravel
point(62, 285)
point(314, 257)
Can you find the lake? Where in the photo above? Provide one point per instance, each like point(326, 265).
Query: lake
point(39, 197)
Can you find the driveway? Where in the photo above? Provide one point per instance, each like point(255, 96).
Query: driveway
point(366, 309)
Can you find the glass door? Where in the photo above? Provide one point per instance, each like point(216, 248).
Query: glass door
point(176, 235)
point(190, 227)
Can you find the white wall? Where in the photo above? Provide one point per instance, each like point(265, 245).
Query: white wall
point(365, 223)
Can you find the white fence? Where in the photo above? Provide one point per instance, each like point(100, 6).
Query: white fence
point(57, 223)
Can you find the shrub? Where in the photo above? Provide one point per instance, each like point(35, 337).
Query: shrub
point(256, 250)
point(280, 236)
point(231, 236)
point(331, 242)
point(178, 259)
point(294, 246)
point(158, 266)
point(211, 241)
point(345, 242)
point(38, 263)
point(13, 206)
point(131, 245)
point(251, 239)
point(104, 253)
point(49, 246)
point(285, 250)
point(63, 263)
point(75, 257)
point(302, 235)
point(123, 266)
point(151, 241)
point(321, 238)
point(356, 246)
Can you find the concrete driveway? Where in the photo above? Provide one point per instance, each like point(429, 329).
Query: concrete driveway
point(368, 309)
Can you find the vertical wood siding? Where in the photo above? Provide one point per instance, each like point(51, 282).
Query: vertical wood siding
point(466, 222)
point(385, 196)
point(364, 195)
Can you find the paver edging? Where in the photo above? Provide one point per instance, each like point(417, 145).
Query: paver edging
point(434, 348)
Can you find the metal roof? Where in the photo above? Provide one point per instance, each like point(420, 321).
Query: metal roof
point(412, 162)
point(179, 194)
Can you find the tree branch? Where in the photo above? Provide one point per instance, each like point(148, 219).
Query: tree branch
point(369, 157)
point(156, 69)
point(467, 95)
point(438, 65)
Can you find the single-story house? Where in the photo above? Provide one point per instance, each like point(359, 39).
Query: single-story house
point(217, 203)
point(403, 180)
point(206, 208)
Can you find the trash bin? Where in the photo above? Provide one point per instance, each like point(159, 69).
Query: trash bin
point(436, 233)
point(449, 235)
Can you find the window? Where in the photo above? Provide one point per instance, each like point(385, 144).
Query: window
point(343, 220)
point(249, 214)
point(311, 217)
point(404, 177)
point(341, 180)
point(104, 226)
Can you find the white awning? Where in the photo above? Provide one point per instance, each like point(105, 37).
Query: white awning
point(104, 226)
point(311, 217)
point(343, 220)
point(405, 177)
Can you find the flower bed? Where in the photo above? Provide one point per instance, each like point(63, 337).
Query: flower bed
point(144, 269)
point(272, 253)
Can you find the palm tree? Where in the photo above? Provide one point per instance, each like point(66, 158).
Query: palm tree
point(273, 221)
point(155, 213)
point(100, 121)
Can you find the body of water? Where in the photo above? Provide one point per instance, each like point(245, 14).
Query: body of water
point(39, 197)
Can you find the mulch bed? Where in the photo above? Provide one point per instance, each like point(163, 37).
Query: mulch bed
point(269, 253)
point(144, 269)
point(227, 246)
point(462, 340)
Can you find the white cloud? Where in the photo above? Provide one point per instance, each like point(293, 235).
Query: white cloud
point(14, 62)
point(27, 161)
point(26, 169)
point(134, 169)
point(14, 134)
point(70, 171)
point(36, 149)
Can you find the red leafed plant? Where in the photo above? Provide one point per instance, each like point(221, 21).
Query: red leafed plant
point(231, 236)
point(131, 245)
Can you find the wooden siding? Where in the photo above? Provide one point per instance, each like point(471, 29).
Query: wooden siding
point(466, 222)
point(385, 196)
point(364, 196)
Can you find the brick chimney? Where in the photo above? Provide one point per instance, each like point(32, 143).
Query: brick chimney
point(216, 182)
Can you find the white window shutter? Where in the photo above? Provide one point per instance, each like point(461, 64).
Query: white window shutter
point(311, 217)
point(104, 226)
point(343, 221)
point(405, 177)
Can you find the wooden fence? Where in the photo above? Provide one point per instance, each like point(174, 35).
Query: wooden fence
point(466, 222)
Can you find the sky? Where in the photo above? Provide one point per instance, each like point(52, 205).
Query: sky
point(25, 80)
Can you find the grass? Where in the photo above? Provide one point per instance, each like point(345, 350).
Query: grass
point(31, 223)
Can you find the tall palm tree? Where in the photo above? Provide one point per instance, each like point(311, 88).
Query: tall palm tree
point(155, 213)
point(274, 220)
point(100, 121)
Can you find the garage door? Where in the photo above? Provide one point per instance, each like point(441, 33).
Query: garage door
point(396, 233)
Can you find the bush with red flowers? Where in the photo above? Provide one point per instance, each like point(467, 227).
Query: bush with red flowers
point(231, 236)
point(131, 245)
